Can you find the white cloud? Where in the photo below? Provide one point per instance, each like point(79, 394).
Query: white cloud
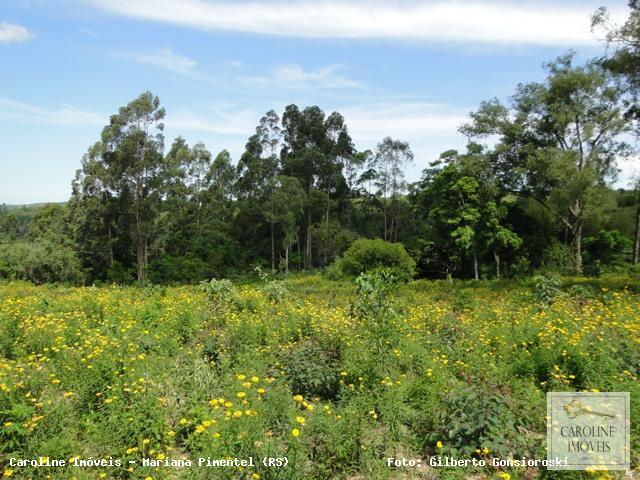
point(295, 76)
point(436, 21)
point(168, 60)
point(221, 121)
point(327, 77)
point(11, 33)
point(66, 115)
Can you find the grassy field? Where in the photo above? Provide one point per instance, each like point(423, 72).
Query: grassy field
point(333, 384)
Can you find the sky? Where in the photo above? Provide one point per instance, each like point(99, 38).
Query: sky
point(409, 69)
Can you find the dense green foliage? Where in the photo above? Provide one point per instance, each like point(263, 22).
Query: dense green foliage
point(364, 255)
point(532, 191)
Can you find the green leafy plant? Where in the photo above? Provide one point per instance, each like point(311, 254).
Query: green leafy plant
point(475, 417)
point(219, 292)
point(275, 290)
point(364, 255)
point(546, 289)
point(312, 370)
point(372, 294)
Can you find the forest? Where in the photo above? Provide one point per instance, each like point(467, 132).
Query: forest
point(534, 190)
point(312, 309)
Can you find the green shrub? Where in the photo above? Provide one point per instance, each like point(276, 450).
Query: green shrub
point(219, 292)
point(582, 292)
point(118, 273)
point(463, 299)
point(558, 258)
point(374, 307)
point(10, 327)
point(546, 289)
point(364, 255)
point(275, 290)
point(335, 270)
point(372, 295)
point(476, 416)
point(609, 247)
point(312, 370)
point(40, 261)
point(184, 269)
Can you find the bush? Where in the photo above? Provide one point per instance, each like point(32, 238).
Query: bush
point(118, 273)
point(609, 247)
point(312, 369)
point(184, 269)
point(40, 261)
point(374, 307)
point(335, 270)
point(219, 292)
point(546, 289)
point(275, 291)
point(364, 255)
point(373, 291)
point(558, 258)
point(476, 416)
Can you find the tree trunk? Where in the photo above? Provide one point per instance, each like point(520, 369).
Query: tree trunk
point(385, 219)
point(139, 248)
point(326, 247)
point(636, 243)
point(578, 244)
point(326, 227)
point(146, 254)
point(273, 250)
point(286, 260)
point(475, 266)
point(307, 255)
point(390, 228)
point(140, 261)
point(141, 241)
point(110, 245)
point(496, 255)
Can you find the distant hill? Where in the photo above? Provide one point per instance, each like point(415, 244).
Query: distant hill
point(29, 206)
point(25, 213)
point(28, 209)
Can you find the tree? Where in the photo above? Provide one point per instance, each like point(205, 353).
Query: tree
point(270, 137)
point(498, 237)
point(391, 158)
point(559, 143)
point(133, 155)
point(340, 152)
point(314, 151)
point(455, 210)
point(9, 227)
point(466, 207)
point(636, 236)
point(101, 222)
point(282, 208)
point(258, 167)
point(118, 190)
point(624, 62)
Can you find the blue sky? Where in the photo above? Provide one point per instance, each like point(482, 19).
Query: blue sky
point(409, 69)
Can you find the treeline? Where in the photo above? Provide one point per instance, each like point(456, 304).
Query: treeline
point(532, 190)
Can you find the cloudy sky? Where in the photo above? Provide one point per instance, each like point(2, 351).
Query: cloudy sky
point(409, 69)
